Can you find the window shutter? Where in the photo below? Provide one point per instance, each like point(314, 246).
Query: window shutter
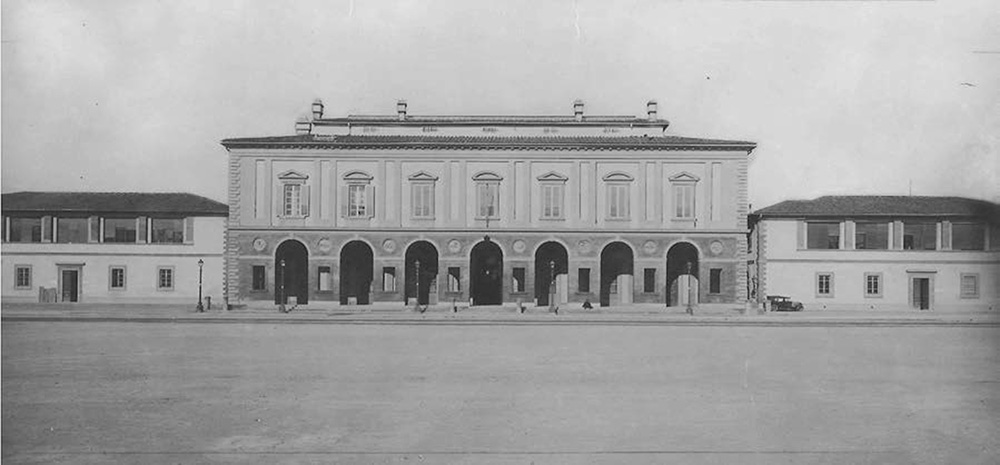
point(370, 201)
point(304, 203)
point(95, 229)
point(279, 202)
point(140, 232)
point(46, 229)
point(344, 201)
point(801, 234)
point(188, 230)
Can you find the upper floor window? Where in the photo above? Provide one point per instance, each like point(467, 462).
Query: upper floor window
point(358, 195)
point(422, 187)
point(968, 236)
point(871, 235)
point(969, 285)
point(72, 230)
point(487, 195)
point(619, 188)
point(823, 235)
point(553, 190)
point(167, 230)
point(919, 236)
point(22, 277)
point(294, 194)
point(25, 230)
point(684, 195)
point(120, 230)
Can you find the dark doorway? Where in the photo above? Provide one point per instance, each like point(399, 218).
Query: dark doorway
point(682, 275)
point(427, 255)
point(551, 269)
point(922, 293)
point(70, 285)
point(486, 265)
point(616, 274)
point(291, 280)
point(357, 263)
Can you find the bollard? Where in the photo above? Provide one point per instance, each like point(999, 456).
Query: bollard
point(208, 302)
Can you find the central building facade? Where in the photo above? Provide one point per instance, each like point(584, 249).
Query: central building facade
point(486, 210)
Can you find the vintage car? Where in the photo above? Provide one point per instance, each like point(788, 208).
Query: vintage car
point(780, 303)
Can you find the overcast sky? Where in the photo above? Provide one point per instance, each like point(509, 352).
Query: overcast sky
point(851, 97)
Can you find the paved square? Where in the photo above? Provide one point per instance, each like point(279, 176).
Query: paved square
point(91, 392)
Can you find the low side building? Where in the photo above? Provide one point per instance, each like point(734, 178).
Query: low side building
point(112, 247)
point(486, 210)
point(878, 252)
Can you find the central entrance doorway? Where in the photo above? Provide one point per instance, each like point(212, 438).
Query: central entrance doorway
point(921, 293)
point(356, 264)
point(486, 269)
point(291, 280)
point(616, 274)
point(551, 274)
point(421, 273)
point(69, 284)
point(682, 275)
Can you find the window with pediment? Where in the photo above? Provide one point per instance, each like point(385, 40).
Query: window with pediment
point(357, 196)
point(618, 195)
point(294, 194)
point(553, 192)
point(487, 195)
point(684, 186)
point(422, 187)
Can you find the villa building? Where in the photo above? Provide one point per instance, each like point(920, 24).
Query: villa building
point(486, 210)
point(878, 252)
point(112, 247)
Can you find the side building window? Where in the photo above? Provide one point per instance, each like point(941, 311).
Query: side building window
point(618, 190)
point(165, 278)
point(968, 236)
point(873, 284)
point(919, 235)
point(72, 230)
point(294, 194)
point(422, 195)
point(25, 230)
point(870, 235)
point(683, 188)
point(259, 278)
point(553, 191)
point(22, 277)
point(357, 196)
point(116, 278)
point(487, 195)
point(120, 229)
point(167, 230)
point(824, 284)
point(969, 286)
point(823, 235)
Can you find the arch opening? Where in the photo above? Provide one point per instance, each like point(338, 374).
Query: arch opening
point(421, 273)
point(551, 274)
point(356, 273)
point(616, 274)
point(682, 275)
point(292, 278)
point(486, 274)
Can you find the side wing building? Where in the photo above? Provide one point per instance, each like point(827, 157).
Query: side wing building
point(486, 210)
point(879, 252)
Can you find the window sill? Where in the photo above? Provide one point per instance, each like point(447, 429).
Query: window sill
point(873, 296)
point(623, 220)
point(824, 296)
point(552, 219)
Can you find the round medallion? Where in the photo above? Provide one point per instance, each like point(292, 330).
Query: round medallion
point(649, 247)
point(259, 244)
point(454, 246)
point(519, 246)
point(325, 245)
point(583, 246)
point(389, 245)
point(715, 247)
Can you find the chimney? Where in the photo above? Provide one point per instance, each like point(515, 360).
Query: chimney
point(578, 110)
point(302, 125)
point(651, 110)
point(401, 109)
point(317, 109)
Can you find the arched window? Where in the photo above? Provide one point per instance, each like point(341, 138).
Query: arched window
point(294, 195)
point(422, 187)
point(487, 195)
point(618, 195)
point(357, 196)
point(553, 192)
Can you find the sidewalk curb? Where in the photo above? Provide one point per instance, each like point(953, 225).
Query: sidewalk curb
point(336, 320)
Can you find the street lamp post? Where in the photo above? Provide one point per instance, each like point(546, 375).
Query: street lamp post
point(552, 287)
point(201, 265)
point(281, 289)
point(687, 267)
point(416, 290)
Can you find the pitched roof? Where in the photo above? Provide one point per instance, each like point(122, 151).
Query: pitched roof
point(314, 141)
point(883, 205)
point(146, 203)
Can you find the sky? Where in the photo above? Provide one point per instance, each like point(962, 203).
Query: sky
point(884, 97)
